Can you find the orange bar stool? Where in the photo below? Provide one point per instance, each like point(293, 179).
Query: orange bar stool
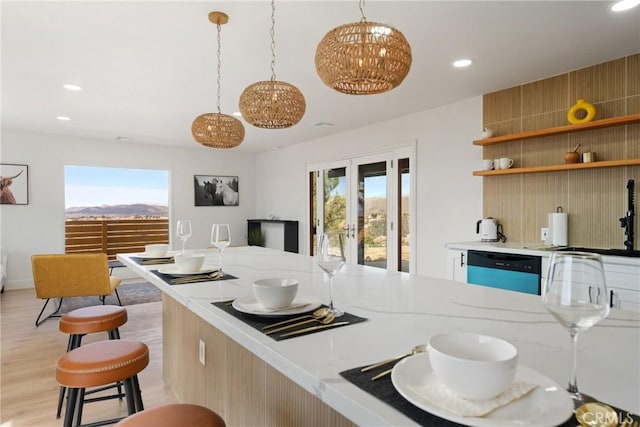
point(89, 320)
point(174, 415)
point(98, 364)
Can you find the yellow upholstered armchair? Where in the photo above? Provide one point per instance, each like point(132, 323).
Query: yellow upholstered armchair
point(71, 275)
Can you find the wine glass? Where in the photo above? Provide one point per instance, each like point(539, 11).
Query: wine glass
point(330, 258)
point(220, 238)
point(183, 231)
point(576, 295)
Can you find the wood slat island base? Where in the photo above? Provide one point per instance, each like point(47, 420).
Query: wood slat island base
point(242, 388)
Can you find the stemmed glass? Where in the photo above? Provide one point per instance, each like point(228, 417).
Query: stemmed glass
point(183, 231)
point(576, 295)
point(220, 238)
point(330, 258)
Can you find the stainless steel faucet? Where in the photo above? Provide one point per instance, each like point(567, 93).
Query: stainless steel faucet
point(626, 221)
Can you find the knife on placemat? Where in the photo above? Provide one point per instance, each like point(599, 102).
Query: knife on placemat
point(314, 328)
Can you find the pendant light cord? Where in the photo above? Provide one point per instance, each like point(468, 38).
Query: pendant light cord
point(273, 40)
point(218, 80)
point(361, 6)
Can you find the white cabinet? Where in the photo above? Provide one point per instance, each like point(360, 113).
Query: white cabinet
point(623, 281)
point(457, 265)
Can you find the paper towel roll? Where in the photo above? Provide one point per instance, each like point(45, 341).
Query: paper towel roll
point(558, 229)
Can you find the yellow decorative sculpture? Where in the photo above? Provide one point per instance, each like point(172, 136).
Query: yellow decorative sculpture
point(581, 104)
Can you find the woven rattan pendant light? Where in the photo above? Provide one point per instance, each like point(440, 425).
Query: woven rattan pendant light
point(363, 58)
point(218, 130)
point(272, 104)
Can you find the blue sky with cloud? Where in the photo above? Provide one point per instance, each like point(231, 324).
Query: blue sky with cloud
point(95, 186)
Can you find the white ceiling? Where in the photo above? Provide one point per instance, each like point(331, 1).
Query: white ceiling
point(148, 68)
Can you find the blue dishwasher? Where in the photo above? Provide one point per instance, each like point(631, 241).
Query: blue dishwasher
point(513, 272)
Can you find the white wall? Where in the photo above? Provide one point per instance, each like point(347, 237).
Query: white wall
point(449, 198)
point(39, 226)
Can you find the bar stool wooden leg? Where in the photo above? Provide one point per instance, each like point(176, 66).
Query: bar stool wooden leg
point(137, 395)
point(71, 407)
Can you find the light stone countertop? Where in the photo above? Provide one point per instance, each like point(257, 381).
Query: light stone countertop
point(403, 311)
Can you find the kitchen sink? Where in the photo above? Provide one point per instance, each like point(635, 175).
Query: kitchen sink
point(612, 252)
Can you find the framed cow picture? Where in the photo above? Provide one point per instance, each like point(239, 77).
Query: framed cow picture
point(14, 183)
point(214, 190)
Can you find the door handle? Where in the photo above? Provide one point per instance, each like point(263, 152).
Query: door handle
point(611, 295)
point(461, 259)
point(353, 231)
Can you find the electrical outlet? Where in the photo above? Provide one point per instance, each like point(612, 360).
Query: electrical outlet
point(201, 352)
point(544, 233)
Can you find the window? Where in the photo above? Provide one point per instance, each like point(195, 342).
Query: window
point(114, 210)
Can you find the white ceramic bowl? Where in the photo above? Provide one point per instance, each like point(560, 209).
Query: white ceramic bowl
point(275, 294)
point(156, 249)
point(188, 263)
point(473, 366)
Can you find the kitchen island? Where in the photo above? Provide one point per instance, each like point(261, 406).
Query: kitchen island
point(252, 379)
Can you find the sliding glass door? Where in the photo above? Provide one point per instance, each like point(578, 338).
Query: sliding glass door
point(367, 198)
point(329, 194)
point(372, 219)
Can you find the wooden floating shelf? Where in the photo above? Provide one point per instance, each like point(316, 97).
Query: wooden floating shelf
point(598, 124)
point(562, 167)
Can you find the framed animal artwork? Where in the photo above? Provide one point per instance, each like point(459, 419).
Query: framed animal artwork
point(214, 190)
point(14, 184)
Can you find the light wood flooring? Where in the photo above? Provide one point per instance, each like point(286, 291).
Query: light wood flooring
point(29, 392)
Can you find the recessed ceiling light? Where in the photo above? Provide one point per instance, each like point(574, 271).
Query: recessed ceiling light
point(324, 124)
point(63, 118)
point(623, 5)
point(121, 138)
point(461, 63)
point(70, 86)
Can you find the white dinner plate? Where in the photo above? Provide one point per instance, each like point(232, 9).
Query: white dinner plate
point(147, 256)
point(248, 304)
point(546, 405)
point(175, 271)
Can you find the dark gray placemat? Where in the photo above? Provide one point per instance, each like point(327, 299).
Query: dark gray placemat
point(168, 277)
point(384, 390)
point(258, 322)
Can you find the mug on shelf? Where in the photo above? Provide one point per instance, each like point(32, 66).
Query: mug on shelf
point(496, 164)
point(506, 163)
point(487, 164)
point(588, 157)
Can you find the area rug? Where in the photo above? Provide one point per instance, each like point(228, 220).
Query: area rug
point(131, 292)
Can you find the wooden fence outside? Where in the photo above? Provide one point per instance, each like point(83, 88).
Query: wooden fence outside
point(112, 236)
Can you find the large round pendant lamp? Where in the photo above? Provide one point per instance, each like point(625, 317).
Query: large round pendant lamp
point(217, 130)
point(363, 58)
point(272, 104)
